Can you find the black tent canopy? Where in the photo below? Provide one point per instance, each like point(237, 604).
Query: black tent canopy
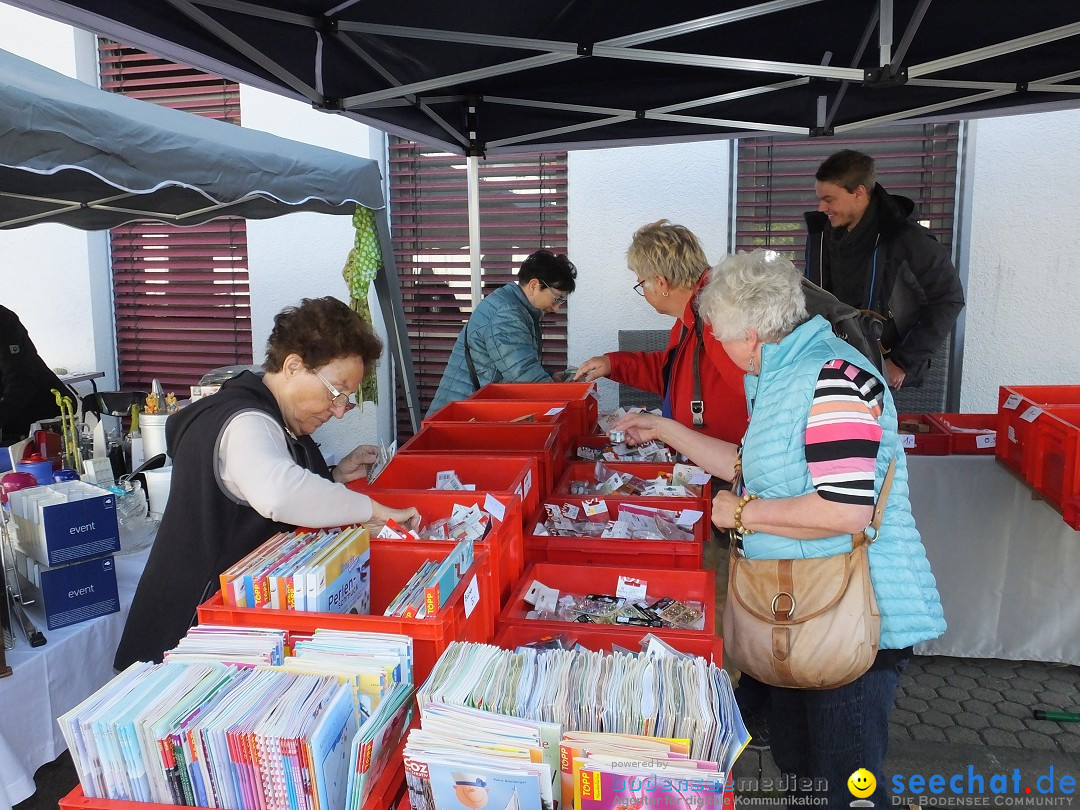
point(487, 76)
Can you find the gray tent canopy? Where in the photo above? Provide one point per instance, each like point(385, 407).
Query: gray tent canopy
point(76, 155)
point(489, 76)
point(79, 156)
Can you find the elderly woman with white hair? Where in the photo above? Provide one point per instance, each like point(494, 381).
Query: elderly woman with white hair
point(821, 438)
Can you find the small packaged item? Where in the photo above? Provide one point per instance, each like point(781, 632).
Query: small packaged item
point(677, 614)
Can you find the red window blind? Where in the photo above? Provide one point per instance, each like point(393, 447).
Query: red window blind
point(775, 181)
point(522, 209)
point(181, 294)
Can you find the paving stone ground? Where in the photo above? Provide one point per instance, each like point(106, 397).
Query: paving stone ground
point(961, 716)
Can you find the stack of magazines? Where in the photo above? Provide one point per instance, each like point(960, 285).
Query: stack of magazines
point(655, 694)
point(311, 732)
point(428, 589)
point(325, 571)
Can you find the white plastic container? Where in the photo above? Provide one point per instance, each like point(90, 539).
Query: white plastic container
point(158, 483)
point(152, 427)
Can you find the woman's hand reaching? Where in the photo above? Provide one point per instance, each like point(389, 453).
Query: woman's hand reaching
point(408, 518)
point(641, 427)
point(356, 464)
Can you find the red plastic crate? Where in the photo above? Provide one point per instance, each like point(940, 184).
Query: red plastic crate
point(695, 586)
point(540, 548)
point(601, 638)
point(1019, 406)
point(498, 474)
point(503, 540)
point(580, 398)
point(934, 443)
point(1055, 466)
point(585, 471)
point(393, 562)
point(470, 411)
point(384, 793)
point(542, 442)
point(959, 426)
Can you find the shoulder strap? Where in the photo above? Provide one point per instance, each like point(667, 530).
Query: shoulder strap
point(879, 508)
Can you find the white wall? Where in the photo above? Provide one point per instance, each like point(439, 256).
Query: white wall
point(612, 193)
point(302, 255)
point(57, 278)
point(1023, 291)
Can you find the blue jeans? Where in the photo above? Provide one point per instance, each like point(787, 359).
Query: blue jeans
point(825, 736)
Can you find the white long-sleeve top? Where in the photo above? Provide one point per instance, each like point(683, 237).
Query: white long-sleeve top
point(255, 466)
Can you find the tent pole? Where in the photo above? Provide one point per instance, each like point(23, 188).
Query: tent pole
point(389, 292)
point(473, 171)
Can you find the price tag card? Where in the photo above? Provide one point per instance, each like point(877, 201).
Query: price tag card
point(494, 508)
point(631, 588)
point(986, 440)
point(907, 440)
point(528, 483)
point(688, 517)
point(471, 597)
point(1011, 402)
point(595, 507)
point(554, 412)
point(1031, 414)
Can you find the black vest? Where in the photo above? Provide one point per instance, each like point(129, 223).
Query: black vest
point(204, 530)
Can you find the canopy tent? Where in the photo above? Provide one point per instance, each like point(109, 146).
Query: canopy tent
point(488, 76)
point(76, 155)
point(79, 156)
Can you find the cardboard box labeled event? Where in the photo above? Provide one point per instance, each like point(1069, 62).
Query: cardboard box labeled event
point(66, 522)
point(70, 593)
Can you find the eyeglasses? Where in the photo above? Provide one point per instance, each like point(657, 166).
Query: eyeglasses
point(558, 300)
point(337, 399)
point(639, 288)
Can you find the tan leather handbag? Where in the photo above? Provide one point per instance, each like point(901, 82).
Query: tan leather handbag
point(806, 623)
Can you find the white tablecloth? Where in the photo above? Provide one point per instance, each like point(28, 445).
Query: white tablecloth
point(50, 680)
point(1006, 564)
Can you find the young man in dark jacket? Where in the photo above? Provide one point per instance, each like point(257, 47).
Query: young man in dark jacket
point(867, 248)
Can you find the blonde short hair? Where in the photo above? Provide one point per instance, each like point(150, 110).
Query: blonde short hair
point(760, 290)
point(672, 251)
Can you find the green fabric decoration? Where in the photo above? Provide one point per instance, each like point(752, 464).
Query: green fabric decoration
point(363, 264)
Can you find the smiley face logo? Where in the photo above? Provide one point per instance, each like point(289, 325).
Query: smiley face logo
point(861, 783)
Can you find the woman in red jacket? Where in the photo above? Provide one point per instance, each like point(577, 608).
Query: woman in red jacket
point(701, 392)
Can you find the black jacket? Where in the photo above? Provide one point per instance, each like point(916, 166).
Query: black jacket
point(204, 529)
point(916, 286)
point(26, 383)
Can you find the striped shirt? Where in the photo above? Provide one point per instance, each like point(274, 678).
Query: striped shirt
point(843, 434)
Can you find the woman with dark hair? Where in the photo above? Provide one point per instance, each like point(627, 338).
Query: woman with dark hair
point(245, 467)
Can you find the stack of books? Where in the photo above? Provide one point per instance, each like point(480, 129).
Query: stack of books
point(325, 571)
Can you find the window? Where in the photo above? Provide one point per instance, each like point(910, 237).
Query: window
point(775, 181)
point(522, 209)
point(774, 186)
point(181, 294)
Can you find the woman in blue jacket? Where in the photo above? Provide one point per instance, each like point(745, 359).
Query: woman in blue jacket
point(501, 341)
point(822, 434)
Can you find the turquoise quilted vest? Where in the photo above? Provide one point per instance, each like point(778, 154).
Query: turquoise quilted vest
point(774, 466)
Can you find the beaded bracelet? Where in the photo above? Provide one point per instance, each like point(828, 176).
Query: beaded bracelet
point(743, 501)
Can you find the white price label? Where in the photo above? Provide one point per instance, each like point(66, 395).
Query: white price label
point(688, 517)
point(471, 597)
point(528, 483)
point(631, 588)
point(986, 440)
point(494, 507)
point(907, 440)
point(1031, 414)
point(1011, 402)
point(554, 412)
